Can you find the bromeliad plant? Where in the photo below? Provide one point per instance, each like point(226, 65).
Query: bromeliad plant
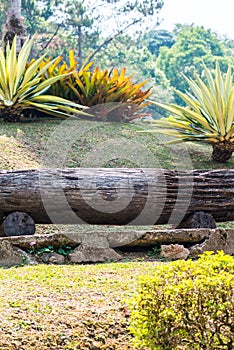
point(23, 87)
point(63, 87)
point(112, 95)
point(208, 116)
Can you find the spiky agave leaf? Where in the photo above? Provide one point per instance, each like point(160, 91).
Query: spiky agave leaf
point(208, 115)
point(54, 105)
point(22, 86)
point(209, 108)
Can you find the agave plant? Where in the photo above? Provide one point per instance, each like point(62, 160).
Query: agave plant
point(208, 115)
point(22, 86)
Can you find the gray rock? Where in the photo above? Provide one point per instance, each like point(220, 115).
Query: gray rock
point(124, 238)
point(94, 246)
point(40, 241)
point(113, 239)
point(28, 258)
point(156, 236)
point(53, 258)
point(9, 255)
point(88, 254)
point(174, 252)
point(94, 239)
point(219, 239)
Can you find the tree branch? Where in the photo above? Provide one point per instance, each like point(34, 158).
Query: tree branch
point(107, 41)
point(51, 38)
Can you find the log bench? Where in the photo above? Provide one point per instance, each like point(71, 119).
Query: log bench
point(119, 196)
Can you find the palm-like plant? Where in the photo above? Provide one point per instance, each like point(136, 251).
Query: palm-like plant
point(23, 87)
point(208, 116)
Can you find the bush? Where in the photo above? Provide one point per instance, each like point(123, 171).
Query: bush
point(186, 305)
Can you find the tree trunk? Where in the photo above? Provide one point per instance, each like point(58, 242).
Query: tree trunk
point(79, 43)
point(14, 24)
point(117, 196)
point(222, 151)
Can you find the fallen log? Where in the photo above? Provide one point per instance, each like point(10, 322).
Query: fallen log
point(117, 196)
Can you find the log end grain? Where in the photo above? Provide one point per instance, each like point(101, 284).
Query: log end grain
point(19, 224)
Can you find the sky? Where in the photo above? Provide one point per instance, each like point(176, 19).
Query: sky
point(217, 15)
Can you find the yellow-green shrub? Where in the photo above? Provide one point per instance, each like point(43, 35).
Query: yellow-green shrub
point(186, 305)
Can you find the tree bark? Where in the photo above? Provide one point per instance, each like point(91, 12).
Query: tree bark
point(79, 43)
point(117, 196)
point(14, 24)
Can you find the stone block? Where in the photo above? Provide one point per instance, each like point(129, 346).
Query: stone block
point(219, 239)
point(174, 252)
point(93, 255)
point(9, 255)
point(53, 258)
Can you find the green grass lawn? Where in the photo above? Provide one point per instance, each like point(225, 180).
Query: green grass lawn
point(68, 307)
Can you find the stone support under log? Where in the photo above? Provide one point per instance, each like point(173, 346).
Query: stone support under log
point(86, 247)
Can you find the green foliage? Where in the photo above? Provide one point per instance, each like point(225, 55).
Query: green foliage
point(208, 116)
point(63, 250)
point(36, 13)
point(141, 64)
point(155, 39)
point(134, 55)
point(82, 24)
point(22, 87)
point(85, 23)
point(112, 94)
point(186, 305)
point(193, 46)
point(155, 251)
point(79, 21)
